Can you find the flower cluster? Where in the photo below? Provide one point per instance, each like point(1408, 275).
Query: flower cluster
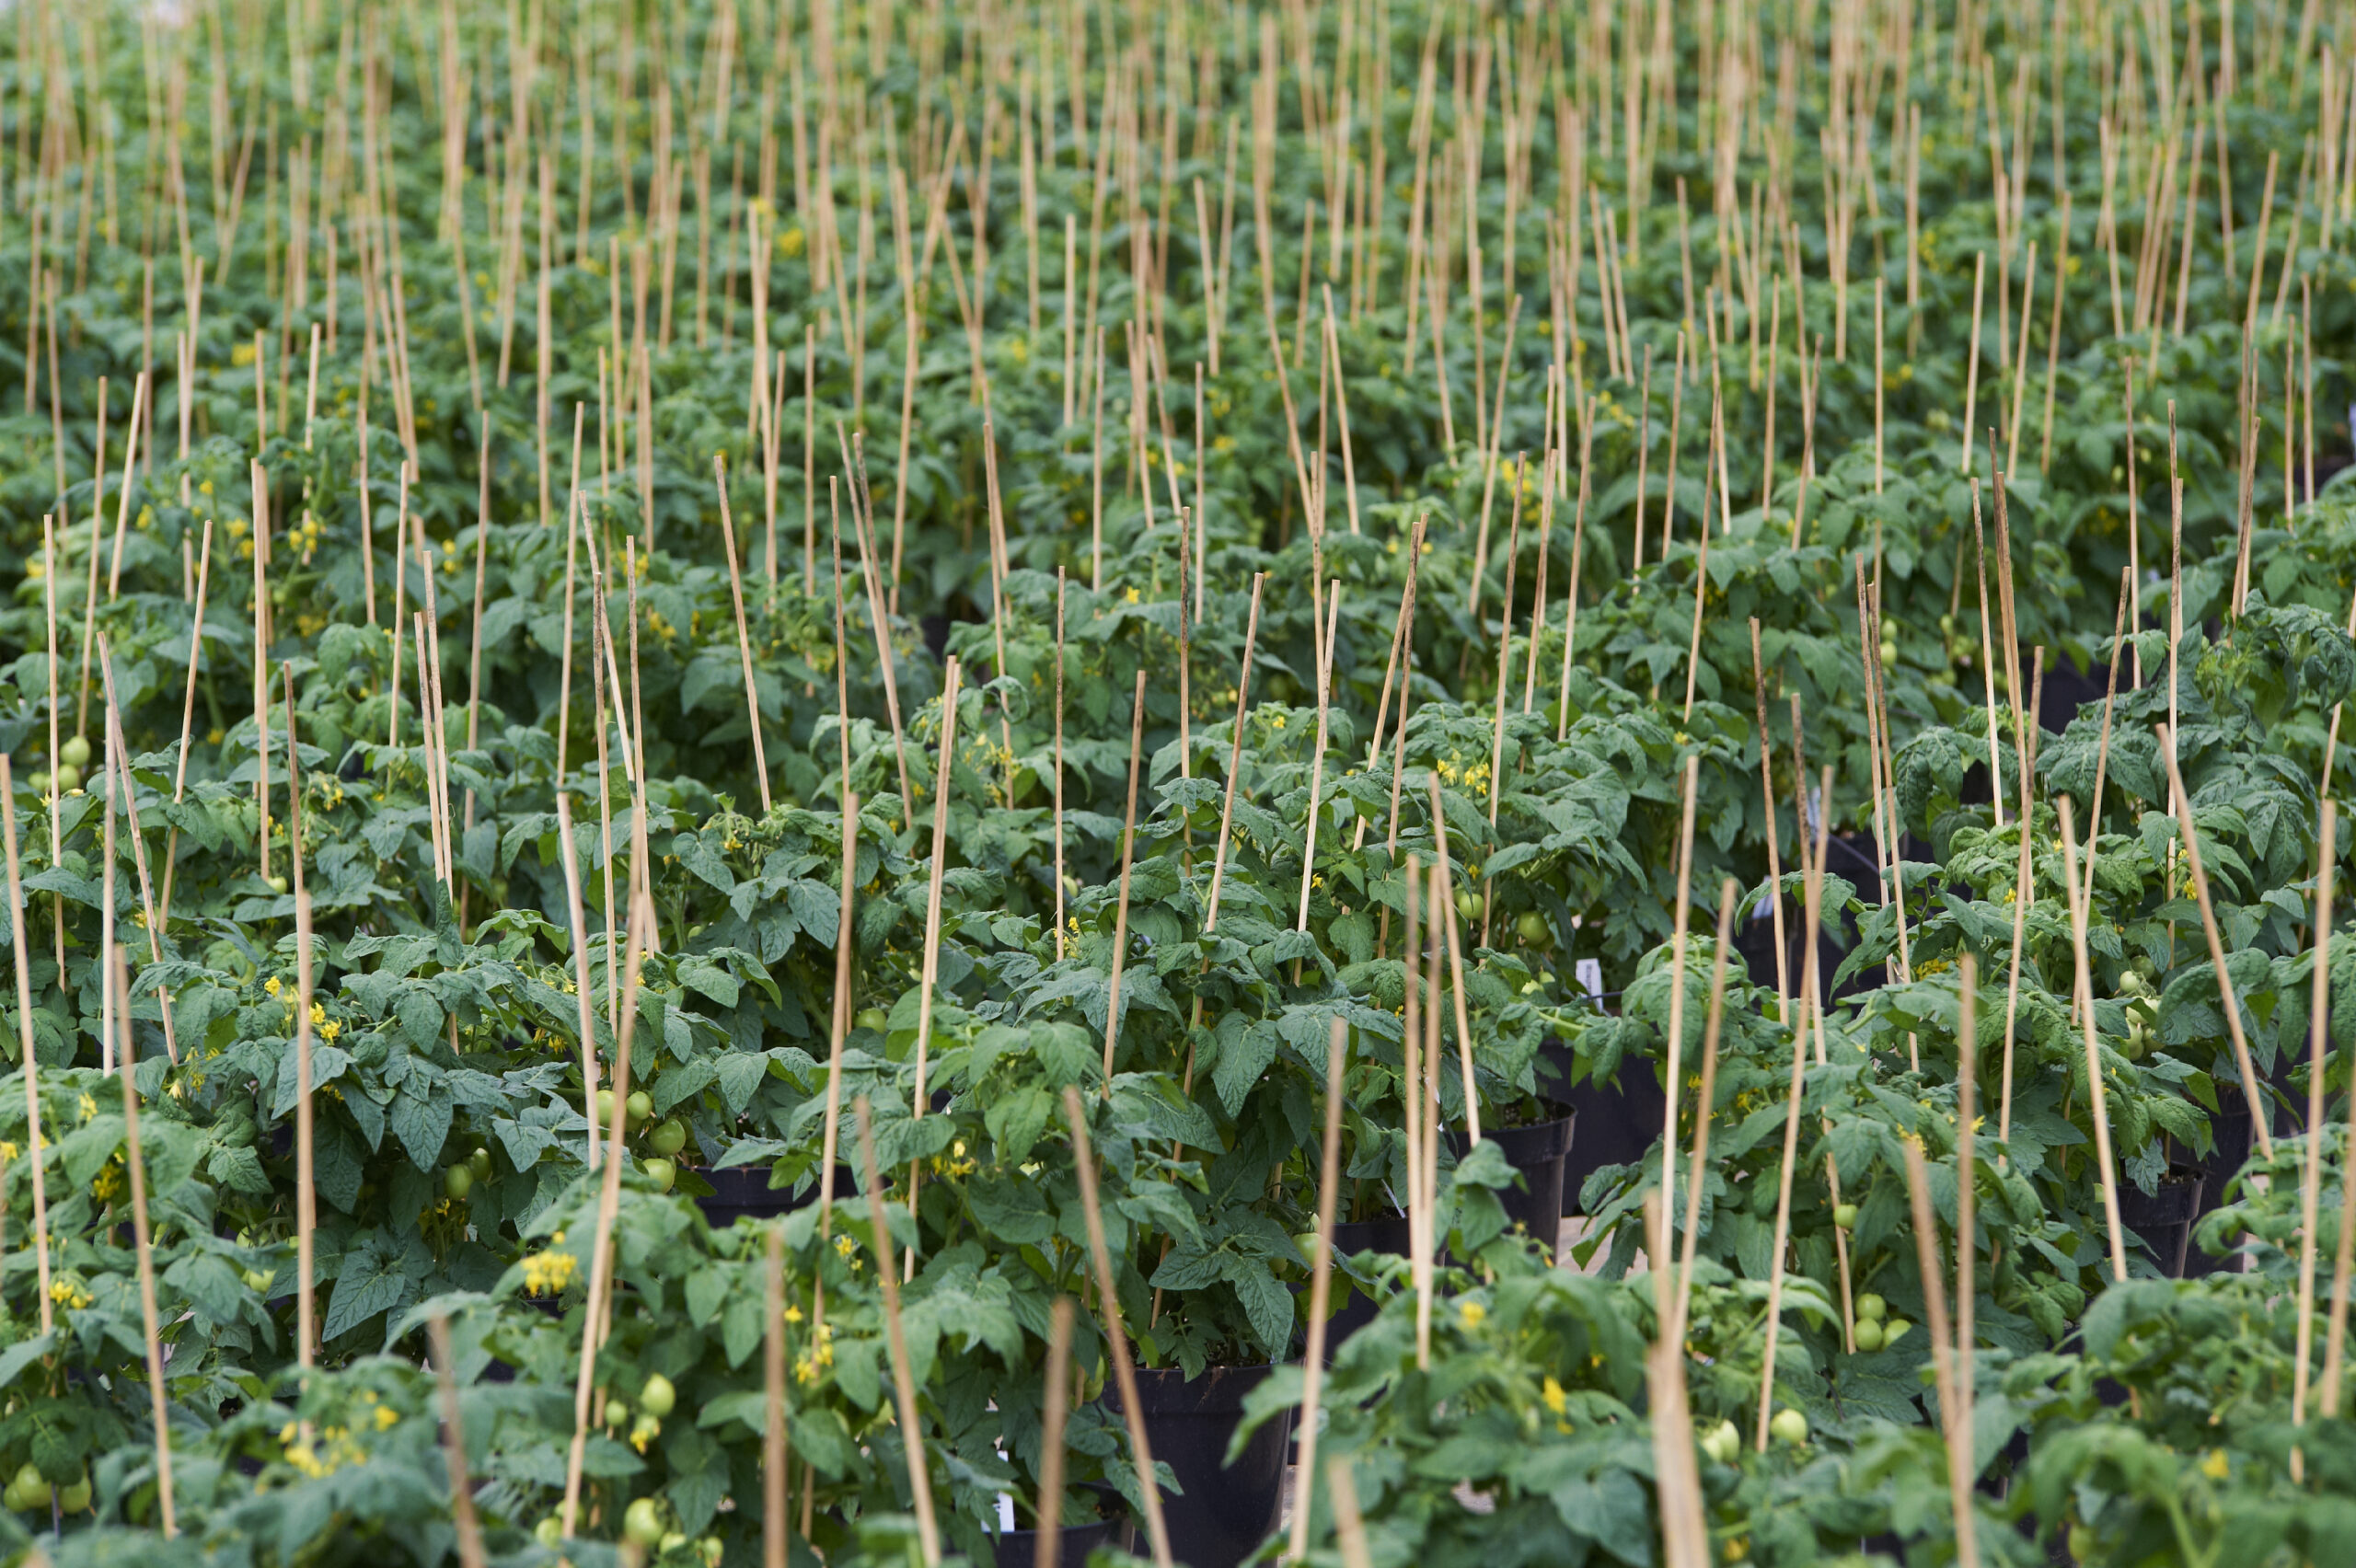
point(547, 1274)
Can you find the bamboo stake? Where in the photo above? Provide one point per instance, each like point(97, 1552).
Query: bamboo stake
point(1775, 863)
point(1810, 1003)
point(120, 761)
point(743, 640)
point(1060, 586)
point(26, 1058)
point(1972, 361)
point(904, 1387)
point(454, 1447)
point(1571, 600)
point(840, 1027)
point(2334, 1359)
point(158, 1410)
point(587, 1023)
point(1316, 760)
point(2086, 1002)
point(2228, 997)
point(1707, 1103)
point(1987, 660)
point(400, 583)
point(2023, 894)
point(1677, 989)
point(1121, 915)
point(1048, 1550)
point(1321, 1284)
point(1955, 1430)
point(1445, 914)
point(642, 915)
point(1349, 1527)
point(48, 603)
point(123, 492)
point(2102, 752)
point(932, 891)
point(1414, 891)
point(2311, 1157)
point(1967, 1193)
point(1116, 1340)
point(1685, 1541)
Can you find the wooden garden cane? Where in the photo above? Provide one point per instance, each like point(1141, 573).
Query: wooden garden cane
point(2227, 1001)
point(158, 1410)
point(1809, 1004)
point(642, 916)
point(1954, 1419)
point(454, 1447)
point(931, 973)
point(904, 1387)
point(1320, 1284)
point(1121, 913)
point(1050, 1512)
point(2085, 998)
point(2311, 1160)
point(25, 1040)
point(1117, 1341)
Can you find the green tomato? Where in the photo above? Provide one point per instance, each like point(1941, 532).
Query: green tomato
point(671, 1543)
point(457, 1181)
point(669, 1138)
point(1789, 1426)
point(2082, 1543)
point(604, 1108)
point(661, 1172)
point(616, 1413)
point(548, 1531)
point(1873, 1306)
point(29, 1483)
point(1894, 1331)
point(642, 1522)
point(658, 1398)
point(637, 1108)
point(75, 752)
point(76, 1498)
point(711, 1549)
point(40, 781)
point(1533, 929)
point(875, 1019)
point(1723, 1443)
point(258, 1279)
point(1869, 1335)
point(1468, 905)
point(479, 1163)
point(68, 778)
point(1845, 1215)
point(644, 1430)
point(277, 884)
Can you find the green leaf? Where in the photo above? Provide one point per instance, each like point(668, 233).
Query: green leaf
point(422, 1124)
point(1266, 1302)
point(374, 1279)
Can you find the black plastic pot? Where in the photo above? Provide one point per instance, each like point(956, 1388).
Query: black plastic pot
point(1386, 1235)
point(1540, 1154)
point(2230, 1140)
point(2163, 1220)
point(742, 1191)
point(1020, 1549)
point(1617, 1122)
point(1227, 1511)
